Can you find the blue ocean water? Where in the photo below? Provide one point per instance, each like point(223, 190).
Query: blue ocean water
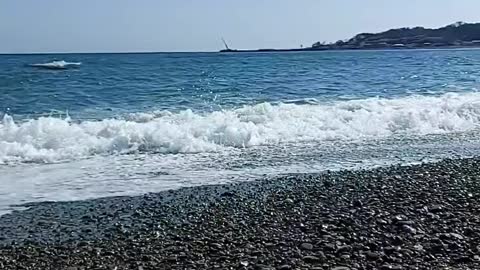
point(109, 85)
point(78, 126)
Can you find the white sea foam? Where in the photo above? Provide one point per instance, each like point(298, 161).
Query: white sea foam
point(57, 64)
point(51, 139)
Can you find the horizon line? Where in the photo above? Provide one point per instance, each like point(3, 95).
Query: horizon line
point(100, 52)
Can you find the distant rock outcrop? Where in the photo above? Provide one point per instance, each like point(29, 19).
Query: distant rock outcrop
point(458, 34)
point(455, 35)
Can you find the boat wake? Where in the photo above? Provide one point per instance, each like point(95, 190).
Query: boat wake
point(57, 65)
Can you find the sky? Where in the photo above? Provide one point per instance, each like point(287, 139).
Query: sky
point(28, 26)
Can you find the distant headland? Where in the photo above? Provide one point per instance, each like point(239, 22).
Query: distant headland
point(456, 35)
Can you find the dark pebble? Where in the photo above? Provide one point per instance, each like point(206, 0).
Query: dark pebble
point(311, 259)
point(307, 246)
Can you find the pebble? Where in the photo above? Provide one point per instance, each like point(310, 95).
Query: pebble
point(390, 267)
point(307, 246)
point(358, 203)
point(418, 247)
point(311, 259)
point(397, 241)
point(457, 236)
point(435, 208)
point(409, 229)
point(372, 255)
point(343, 249)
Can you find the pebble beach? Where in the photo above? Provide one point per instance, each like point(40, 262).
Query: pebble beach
point(423, 216)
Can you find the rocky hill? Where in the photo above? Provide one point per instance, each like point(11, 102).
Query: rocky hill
point(458, 34)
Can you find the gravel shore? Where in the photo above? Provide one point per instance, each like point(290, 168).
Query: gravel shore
point(402, 217)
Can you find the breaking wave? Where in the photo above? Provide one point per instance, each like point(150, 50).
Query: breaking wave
point(50, 139)
point(57, 65)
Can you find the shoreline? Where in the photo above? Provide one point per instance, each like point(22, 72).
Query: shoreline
point(349, 49)
point(423, 216)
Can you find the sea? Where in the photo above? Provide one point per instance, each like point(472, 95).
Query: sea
point(82, 126)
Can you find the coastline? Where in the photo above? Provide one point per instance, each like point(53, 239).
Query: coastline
point(350, 49)
point(455, 35)
point(400, 217)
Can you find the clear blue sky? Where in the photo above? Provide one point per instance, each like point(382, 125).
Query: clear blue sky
point(197, 25)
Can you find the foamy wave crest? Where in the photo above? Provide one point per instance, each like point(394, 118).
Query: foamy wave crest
point(51, 139)
point(57, 65)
